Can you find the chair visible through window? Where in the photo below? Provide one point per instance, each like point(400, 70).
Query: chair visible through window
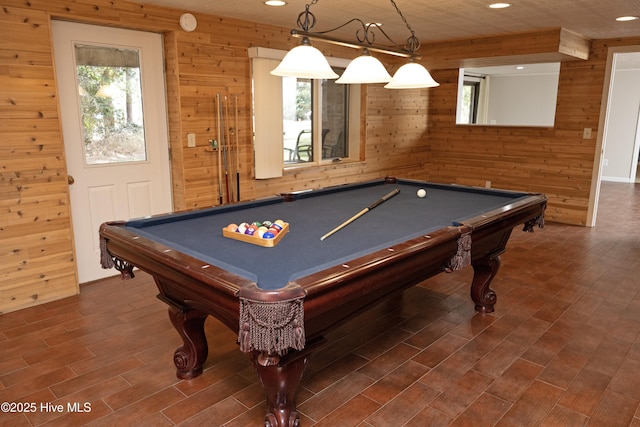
point(304, 146)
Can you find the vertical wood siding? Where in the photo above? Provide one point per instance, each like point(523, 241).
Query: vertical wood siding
point(405, 133)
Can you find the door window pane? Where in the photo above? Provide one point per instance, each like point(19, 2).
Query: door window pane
point(109, 91)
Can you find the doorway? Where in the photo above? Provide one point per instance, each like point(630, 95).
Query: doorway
point(627, 57)
point(114, 123)
point(621, 142)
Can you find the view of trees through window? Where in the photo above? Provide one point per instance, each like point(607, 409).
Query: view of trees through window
point(110, 96)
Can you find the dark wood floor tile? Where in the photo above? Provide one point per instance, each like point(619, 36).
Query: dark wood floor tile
point(42, 329)
point(255, 417)
point(66, 353)
point(319, 379)
point(40, 397)
point(154, 383)
point(449, 370)
point(430, 334)
point(253, 395)
point(389, 361)
point(214, 374)
point(468, 326)
point(352, 413)
point(14, 420)
point(563, 368)
point(440, 350)
point(11, 364)
point(626, 381)
point(486, 410)
point(563, 417)
point(217, 414)
point(406, 405)
point(545, 348)
point(34, 382)
point(389, 386)
point(186, 408)
point(532, 407)
point(89, 379)
point(429, 417)
point(608, 357)
point(529, 331)
point(334, 396)
point(462, 393)
point(515, 380)
point(585, 391)
point(486, 341)
point(91, 395)
point(387, 340)
point(97, 414)
point(613, 410)
point(499, 359)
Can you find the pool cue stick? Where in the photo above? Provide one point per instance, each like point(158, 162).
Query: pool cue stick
point(235, 109)
point(224, 147)
point(219, 148)
point(362, 212)
point(229, 146)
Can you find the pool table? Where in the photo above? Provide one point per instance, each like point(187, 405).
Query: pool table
point(283, 299)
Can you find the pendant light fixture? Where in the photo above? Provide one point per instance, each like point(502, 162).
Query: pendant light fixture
point(305, 61)
point(365, 69)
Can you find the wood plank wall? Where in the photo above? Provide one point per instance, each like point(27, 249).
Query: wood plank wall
point(406, 133)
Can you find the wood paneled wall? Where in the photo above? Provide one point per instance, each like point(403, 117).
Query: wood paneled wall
point(406, 133)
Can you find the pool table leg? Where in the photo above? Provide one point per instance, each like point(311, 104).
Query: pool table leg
point(280, 382)
point(189, 358)
point(484, 270)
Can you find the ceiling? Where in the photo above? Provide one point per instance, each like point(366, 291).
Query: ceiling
point(434, 20)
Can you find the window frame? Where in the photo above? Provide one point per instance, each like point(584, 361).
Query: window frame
point(268, 117)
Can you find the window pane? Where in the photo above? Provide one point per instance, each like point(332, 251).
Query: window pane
point(335, 109)
point(111, 104)
point(297, 101)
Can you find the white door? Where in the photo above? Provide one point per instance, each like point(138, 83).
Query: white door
point(117, 152)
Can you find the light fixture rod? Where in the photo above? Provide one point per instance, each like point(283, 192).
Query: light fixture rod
point(372, 48)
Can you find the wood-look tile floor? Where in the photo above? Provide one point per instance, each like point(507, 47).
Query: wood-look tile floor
point(562, 348)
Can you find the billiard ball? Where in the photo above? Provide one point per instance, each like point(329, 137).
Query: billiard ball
point(251, 230)
point(232, 227)
point(422, 193)
point(261, 231)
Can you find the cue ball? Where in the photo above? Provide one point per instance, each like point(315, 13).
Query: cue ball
point(422, 193)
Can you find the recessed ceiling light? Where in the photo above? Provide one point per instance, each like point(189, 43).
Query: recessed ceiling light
point(499, 5)
point(627, 18)
point(520, 67)
point(275, 3)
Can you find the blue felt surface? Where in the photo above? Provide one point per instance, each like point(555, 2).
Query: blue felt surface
point(301, 252)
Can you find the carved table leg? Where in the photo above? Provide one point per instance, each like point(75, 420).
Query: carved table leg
point(280, 383)
point(189, 357)
point(484, 270)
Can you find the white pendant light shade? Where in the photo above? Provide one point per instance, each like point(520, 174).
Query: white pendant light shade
point(411, 76)
point(365, 69)
point(306, 62)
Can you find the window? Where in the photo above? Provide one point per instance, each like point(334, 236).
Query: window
point(110, 96)
point(301, 122)
point(508, 95)
point(469, 103)
point(305, 103)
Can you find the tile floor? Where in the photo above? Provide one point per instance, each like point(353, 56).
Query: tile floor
point(562, 348)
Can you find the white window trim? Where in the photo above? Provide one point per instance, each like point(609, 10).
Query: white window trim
point(267, 115)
